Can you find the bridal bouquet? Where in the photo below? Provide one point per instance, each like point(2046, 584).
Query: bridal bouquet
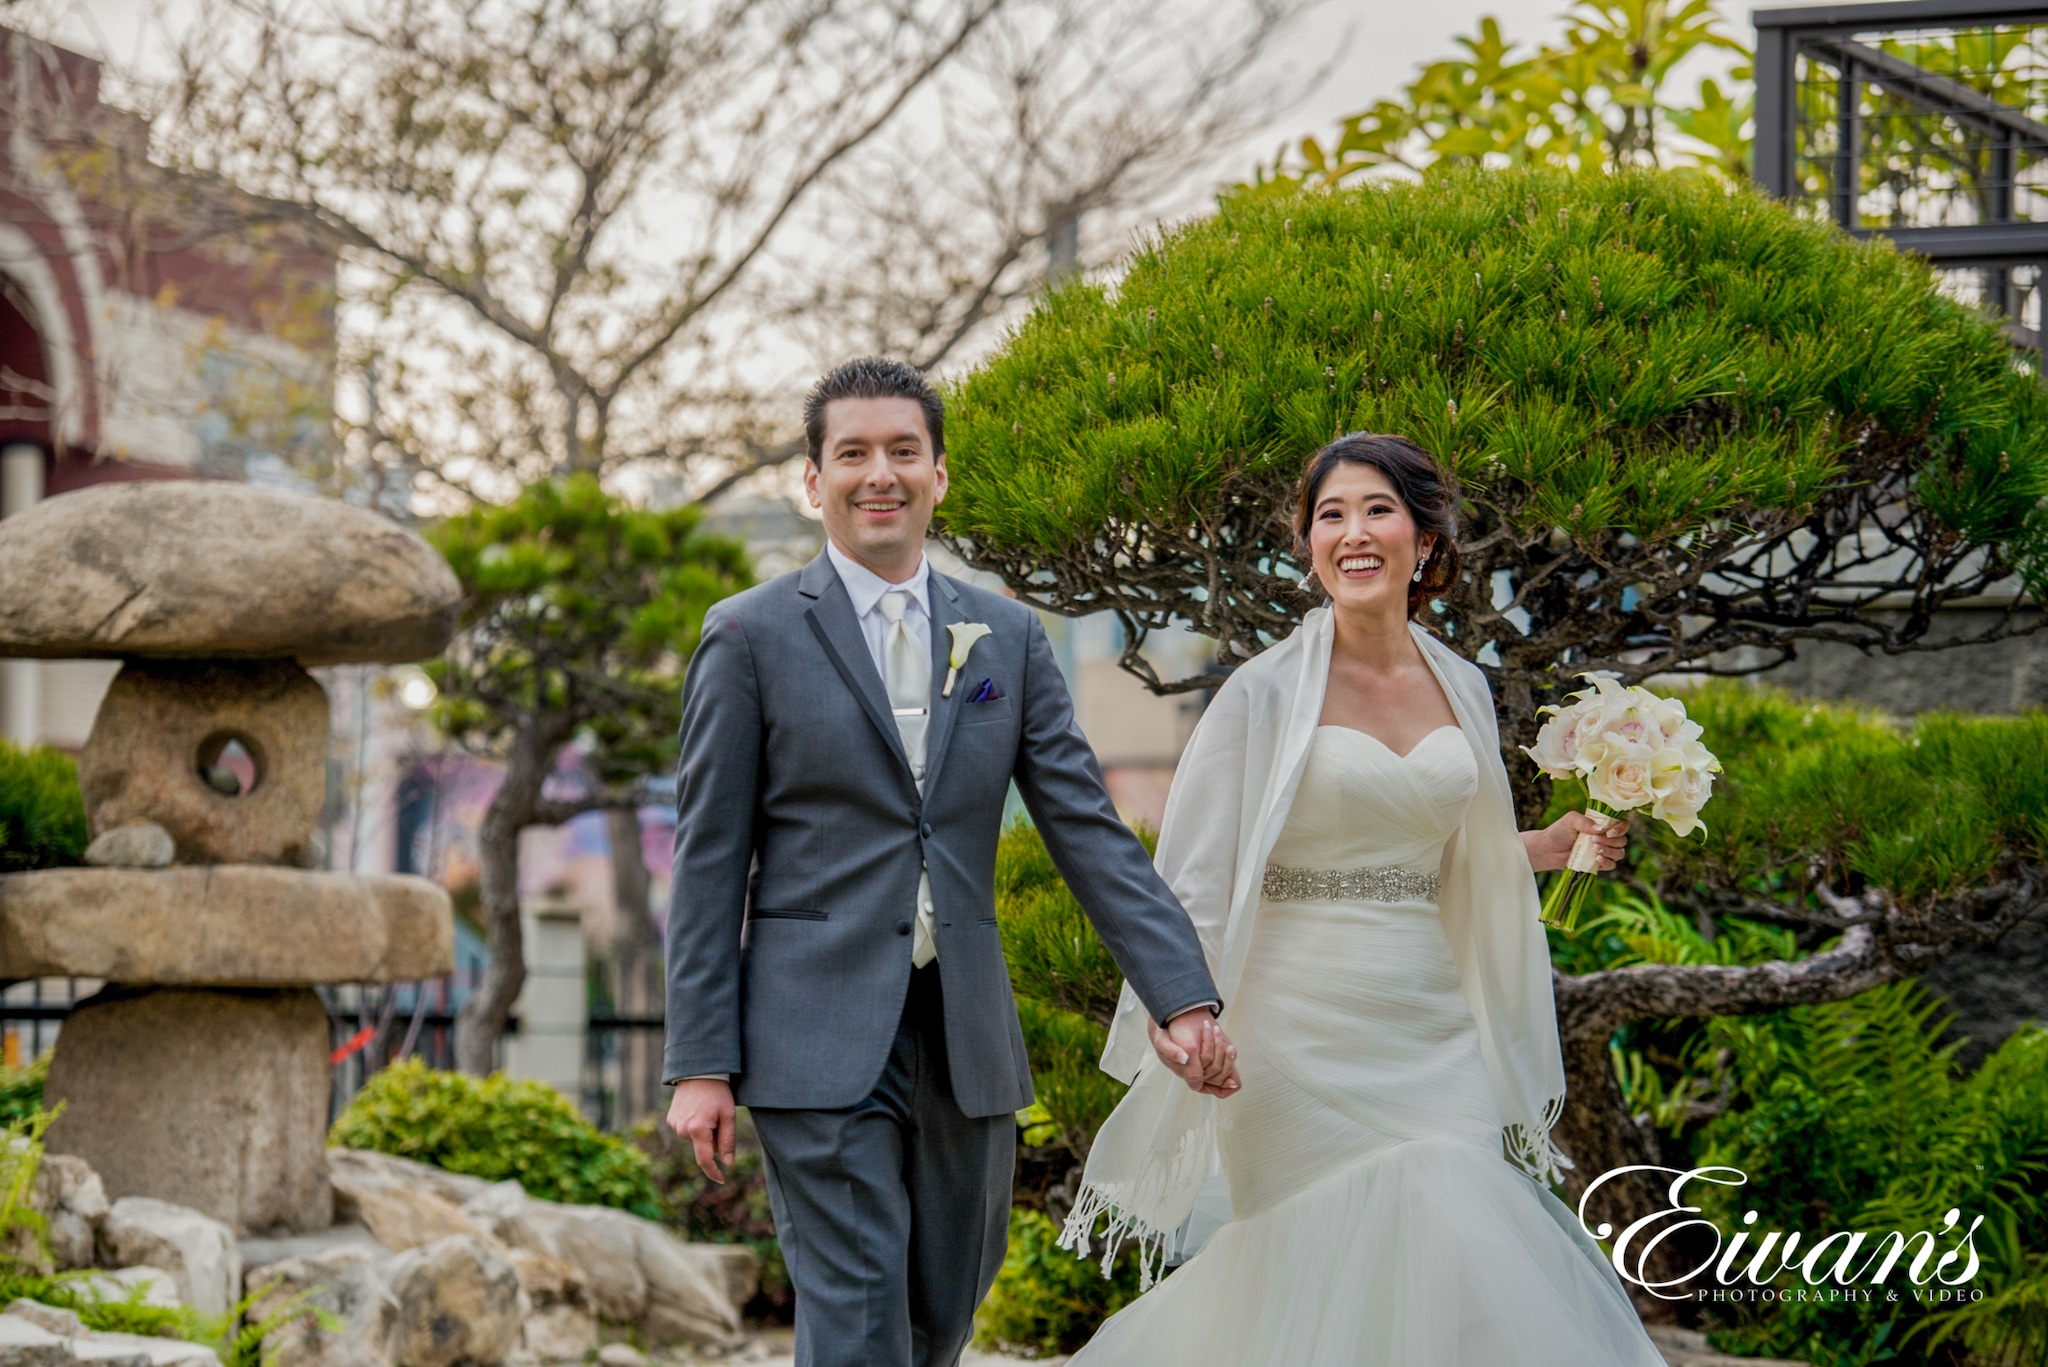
point(1634, 749)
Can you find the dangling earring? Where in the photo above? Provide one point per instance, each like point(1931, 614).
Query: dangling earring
point(1417, 576)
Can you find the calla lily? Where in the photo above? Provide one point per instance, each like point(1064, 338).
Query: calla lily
point(964, 635)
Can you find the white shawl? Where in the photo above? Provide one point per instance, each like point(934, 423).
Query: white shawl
point(1230, 798)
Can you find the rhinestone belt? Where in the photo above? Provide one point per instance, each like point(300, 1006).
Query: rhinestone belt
point(1349, 885)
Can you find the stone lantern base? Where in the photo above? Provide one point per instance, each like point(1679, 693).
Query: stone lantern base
point(211, 1098)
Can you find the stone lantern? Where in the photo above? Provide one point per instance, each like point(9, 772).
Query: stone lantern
point(199, 1075)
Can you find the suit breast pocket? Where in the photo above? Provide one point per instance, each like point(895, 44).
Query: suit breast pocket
point(982, 713)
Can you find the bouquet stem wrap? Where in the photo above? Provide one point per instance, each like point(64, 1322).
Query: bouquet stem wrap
point(1567, 892)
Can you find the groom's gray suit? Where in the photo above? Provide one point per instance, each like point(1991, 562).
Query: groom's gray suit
point(883, 1095)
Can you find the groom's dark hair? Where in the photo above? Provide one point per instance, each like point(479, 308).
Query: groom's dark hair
point(873, 377)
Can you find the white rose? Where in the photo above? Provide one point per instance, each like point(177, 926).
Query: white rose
point(1622, 779)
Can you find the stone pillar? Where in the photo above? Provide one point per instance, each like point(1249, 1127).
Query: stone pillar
point(212, 1099)
point(553, 1006)
point(21, 488)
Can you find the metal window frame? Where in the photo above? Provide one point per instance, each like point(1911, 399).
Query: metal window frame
point(1829, 32)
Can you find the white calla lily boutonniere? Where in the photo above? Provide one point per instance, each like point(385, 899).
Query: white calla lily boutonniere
point(964, 635)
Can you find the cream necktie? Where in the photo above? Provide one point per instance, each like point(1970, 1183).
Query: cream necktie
point(910, 693)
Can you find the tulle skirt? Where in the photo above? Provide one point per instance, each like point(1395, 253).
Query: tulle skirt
point(1375, 1222)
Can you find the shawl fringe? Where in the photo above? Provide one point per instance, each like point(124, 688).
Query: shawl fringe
point(1137, 1208)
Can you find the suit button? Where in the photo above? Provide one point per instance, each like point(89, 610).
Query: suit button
point(926, 830)
point(903, 927)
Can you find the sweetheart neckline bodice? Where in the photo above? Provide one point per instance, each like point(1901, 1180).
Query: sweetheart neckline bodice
point(1333, 726)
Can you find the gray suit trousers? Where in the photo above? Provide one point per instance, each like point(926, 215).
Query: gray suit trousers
point(893, 1213)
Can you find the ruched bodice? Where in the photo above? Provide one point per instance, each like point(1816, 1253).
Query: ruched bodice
point(1361, 805)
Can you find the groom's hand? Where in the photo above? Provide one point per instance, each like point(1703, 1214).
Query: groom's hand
point(701, 1112)
point(1198, 1051)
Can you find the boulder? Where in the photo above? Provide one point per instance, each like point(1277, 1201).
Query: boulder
point(157, 1287)
point(195, 569)
point(198, 1252)
point(31, 1333)
point(223, 926)
point(157, 744)
point(69, 1196)
point(23, 1344)
point(233, 1087)
point(635, 1272)
point(458, 1302)
point(620, 1355)
point(558, 1334)
point(367, 1165)
point(137, 845)
point(402, 1207)
point(347, 1283)
point(65, 1324)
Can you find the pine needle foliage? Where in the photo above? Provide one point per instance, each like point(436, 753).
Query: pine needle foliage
point(1636, 378)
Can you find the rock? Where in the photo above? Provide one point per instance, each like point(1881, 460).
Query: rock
point(620, 1355)
point(1688, 1348)
point(192, 569)
point(23, 1344)
point(261, 1251)
point(559, 1334)
point(548, 1281)
point(224, 926)
point(234, 1086)
point(458, 1302)
point(137, 845)
point(158, 1286)
point(636, 1272)
point(198, 1252)
point(72, 1201)
point(350, 1285)
point(687, 1290)
point(401, 1213)
point(155, 748)
point(64, 1324)
point(604, 1250)
point(121, 1350)
point(368, 1165)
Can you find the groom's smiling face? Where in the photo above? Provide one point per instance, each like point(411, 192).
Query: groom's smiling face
point(876, 482)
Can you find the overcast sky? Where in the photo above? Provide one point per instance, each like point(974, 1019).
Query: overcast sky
point(1388, 41)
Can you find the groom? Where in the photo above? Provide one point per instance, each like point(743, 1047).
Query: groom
point(850, 731)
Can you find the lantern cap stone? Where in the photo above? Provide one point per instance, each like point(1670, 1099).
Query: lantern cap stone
point(193, 569)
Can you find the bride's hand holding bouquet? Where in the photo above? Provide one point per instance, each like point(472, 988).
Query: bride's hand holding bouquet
point(1634, 750)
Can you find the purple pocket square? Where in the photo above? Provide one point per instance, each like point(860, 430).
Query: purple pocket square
point(986, 693)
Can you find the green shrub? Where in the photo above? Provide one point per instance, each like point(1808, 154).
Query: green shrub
point(21, 1090)
point(1852, 1116)
point(500, 1129)
point(42, 813)
point(1046, 1300)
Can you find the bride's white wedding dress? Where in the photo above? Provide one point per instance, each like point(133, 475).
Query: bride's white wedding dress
point(1374, 1219)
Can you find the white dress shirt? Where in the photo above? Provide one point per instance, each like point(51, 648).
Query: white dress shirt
point(866, 588)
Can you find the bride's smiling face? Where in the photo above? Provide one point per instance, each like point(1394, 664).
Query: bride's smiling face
point(1363, 542)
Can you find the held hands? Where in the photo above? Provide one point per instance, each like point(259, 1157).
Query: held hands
point(1195, 1048)
point(1550, 847)
point(701, 1112)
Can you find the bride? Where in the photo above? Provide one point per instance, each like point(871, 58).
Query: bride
point(1341, 831)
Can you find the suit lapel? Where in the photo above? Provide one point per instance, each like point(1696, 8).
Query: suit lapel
point(838, 630)
point(945, 610)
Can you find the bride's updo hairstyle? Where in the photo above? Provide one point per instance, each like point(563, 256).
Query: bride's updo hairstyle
point(1420, 483)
